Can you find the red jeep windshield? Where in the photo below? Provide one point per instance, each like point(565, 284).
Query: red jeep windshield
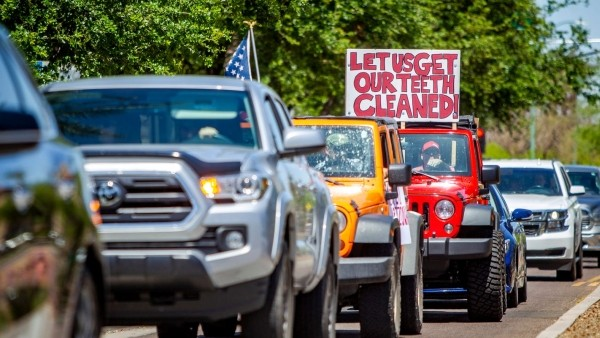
point(437, 154)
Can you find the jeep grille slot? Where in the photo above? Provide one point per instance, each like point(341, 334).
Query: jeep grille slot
point(144, 199)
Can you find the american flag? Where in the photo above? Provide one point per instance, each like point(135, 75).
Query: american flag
point(239, 64)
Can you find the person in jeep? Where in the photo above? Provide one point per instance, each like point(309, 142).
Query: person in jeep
point(431, 158)
point(339, 155)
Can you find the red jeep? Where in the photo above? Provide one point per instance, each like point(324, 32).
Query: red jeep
point(464, 249)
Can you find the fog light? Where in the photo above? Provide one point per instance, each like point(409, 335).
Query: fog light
point(234, 240)
point(448, 228)
point(231, 238)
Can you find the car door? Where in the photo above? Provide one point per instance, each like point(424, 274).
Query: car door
point(302, 187)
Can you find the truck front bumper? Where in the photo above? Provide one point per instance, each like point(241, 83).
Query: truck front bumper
point(457, 248)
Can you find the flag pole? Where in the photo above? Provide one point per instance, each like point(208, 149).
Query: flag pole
point(251, 25)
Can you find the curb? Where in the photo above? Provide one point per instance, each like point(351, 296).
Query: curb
point(567, 319)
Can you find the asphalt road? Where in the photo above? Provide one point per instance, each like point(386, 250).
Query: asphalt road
point(548, 300)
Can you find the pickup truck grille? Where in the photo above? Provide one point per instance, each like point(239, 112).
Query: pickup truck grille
point(148, 199)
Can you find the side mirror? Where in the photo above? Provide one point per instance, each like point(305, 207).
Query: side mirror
point(577, 190)
point(521, 214)
point(400, 174)
point(490, 174)
point(302, 141)
point(18, 131)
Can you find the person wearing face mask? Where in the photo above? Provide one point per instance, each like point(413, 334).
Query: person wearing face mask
point(431, 158)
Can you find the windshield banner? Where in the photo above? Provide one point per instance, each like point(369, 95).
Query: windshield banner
point(408, 84)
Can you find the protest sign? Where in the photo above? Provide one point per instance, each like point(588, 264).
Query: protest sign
point(407, 84)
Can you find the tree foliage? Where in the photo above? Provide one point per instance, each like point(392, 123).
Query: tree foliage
point(509, 61)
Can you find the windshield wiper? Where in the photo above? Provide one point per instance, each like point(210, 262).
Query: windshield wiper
point(414, 172)
point(334, 182)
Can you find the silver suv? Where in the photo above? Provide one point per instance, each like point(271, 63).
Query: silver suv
point(554, 231)
point(210, 209)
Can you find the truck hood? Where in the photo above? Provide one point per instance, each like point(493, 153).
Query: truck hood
point(204, 159)
point(535, 202)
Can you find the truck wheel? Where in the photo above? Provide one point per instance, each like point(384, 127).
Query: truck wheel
point(276, 318)
point(379, 305)
point(568, 275)
point(87, 318)
point(220, 328)
point(523, 289)
point(316, 311)
point(184, 330)
point(412, 300)
point(485, 299)
point(580, 261)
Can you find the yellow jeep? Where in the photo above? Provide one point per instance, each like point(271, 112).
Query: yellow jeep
point(367, 179)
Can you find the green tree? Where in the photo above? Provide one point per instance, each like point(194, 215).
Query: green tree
point(506, 67)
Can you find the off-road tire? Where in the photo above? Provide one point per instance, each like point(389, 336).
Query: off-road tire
point(220, 328)
point(183, 330)
point(276, 318)
point(87, 321)
point(379, 305)
point(485, 284)
point(412, 300)
point(316, 311)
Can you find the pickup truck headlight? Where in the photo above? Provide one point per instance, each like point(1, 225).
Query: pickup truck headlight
point(239, 188)
point(444, 209)
point(556, 220)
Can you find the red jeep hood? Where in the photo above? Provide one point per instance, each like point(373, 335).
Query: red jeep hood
point(434, 187)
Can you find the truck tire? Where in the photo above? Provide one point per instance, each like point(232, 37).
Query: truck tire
point(485, 284)
point(316, 311)
point(379, 305)
point(523, 290)
point(87, 322)
point(220, 328)
point(568, 275)
point(580, 261)
point(276, 318)
point(412, 300)
point(183, 330)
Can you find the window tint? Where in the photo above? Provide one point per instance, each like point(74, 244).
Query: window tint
point(529, 181)
point(274, 123)
point(133, 116)
point(8, 93)
point(451, 150)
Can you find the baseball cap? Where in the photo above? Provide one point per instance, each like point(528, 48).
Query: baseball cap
point(430, 144)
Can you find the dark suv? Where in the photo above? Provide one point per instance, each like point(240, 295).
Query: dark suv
point(51, 275)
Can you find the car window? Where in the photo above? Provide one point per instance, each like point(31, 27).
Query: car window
point(349, 152)
point(8, 94)
point(529, 181)
point(453, 151)
point(588, 179)
point(155, 116)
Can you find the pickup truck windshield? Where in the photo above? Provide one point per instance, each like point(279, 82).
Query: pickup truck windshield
point(155, 116)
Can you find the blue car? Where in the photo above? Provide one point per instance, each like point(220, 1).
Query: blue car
point(515, 245)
